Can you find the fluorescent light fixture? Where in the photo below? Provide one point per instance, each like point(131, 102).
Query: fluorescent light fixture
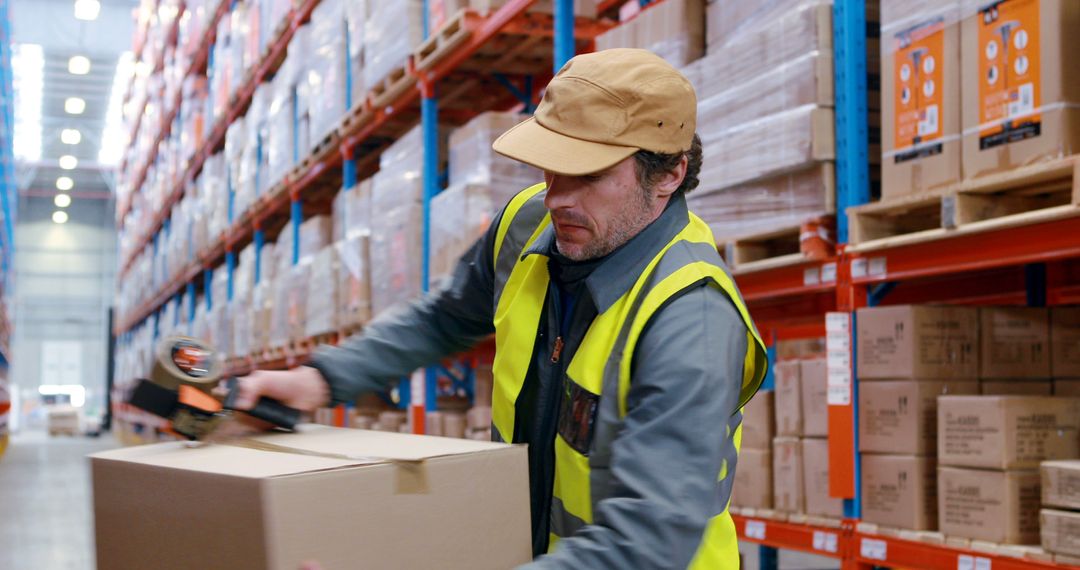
point(64, 183)
point(62, 200)
point(70, 136)
point(114, 137)
point(59, 217)
point(28, 76)
point(87, 9)
point(79, 65)
point(68, 162)
point(75, 105)
point(76, 392)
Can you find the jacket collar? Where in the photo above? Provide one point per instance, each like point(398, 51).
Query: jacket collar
point(614, 277)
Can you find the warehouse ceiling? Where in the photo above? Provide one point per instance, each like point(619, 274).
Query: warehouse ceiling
point(52, 25)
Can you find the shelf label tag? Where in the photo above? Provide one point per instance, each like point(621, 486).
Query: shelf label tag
point(825, 541)
point(873, 549)
point(982, 563)
point(838, 358)
point(755, 529)
point(877, 267)
point(969, 562)
point(811, 276)
point(858, 267)
point(828, 272)
point(838, 396)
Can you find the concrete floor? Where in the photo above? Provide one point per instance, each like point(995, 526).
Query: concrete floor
point(46, 517)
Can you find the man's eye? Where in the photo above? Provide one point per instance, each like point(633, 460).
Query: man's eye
point(591, 178)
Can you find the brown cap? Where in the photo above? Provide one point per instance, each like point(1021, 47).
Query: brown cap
point(603, 107)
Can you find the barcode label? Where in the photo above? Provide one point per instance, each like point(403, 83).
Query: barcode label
point(825, 541)
point(755, 529)
point(929, 123)
point(811, 276)
point(1025, 100)
point(873, 549)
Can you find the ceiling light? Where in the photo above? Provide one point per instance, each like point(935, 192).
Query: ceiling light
point(62, 200)
point(87, 9)
point(64, 183)
point(75, 105)
point(70, 136)
point(68, 162)
point(78, 65)
point(59, 217)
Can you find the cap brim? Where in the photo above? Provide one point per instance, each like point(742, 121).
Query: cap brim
point(532, 143)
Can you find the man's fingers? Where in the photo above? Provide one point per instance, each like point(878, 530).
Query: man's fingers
point(248, 390)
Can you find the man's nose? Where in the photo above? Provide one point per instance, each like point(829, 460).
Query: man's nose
point(559, 192)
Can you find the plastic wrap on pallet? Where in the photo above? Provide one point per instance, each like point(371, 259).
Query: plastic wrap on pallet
point(262, 298)
point(781, 201)
point(728, 20)
point(322, 294)
point(391, 32)
point(192, 116)
point(242, 329)
point(327, 74)
point(279, 142)
point(352, 210)
point(459, 216)
point(674, 30)
point(472, 161)
point(396, 253)
point(441, 11)
point(244, 278)
point(354, 279)
point(219, 287)
point(235, 141)
point(315, 234)
point(355, 16)
point(791, 33)
point(219, 329)
point(283, 250)
point(200, 326)
point(296, 65)
point(215, 194)
point(266, 263)
point(220, 71)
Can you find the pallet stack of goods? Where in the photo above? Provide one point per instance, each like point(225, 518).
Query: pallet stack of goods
point(1059, 519)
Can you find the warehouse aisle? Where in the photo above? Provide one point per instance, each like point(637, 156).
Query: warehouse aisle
point(46, 498)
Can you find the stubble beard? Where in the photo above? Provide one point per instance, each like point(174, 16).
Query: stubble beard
point(626, 224)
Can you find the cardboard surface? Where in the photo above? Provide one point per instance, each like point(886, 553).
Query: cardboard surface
point(1060, 531)
point(759, 421)
point(799, 348)
point(1067, 387)
point(900, 491)
point(788, 397)
point(788, 495)
point(900, 416)
point(813, 378)
point(1007, 432)
point(1065, 342)
point(996, 506)
point(1015, 342)
point(917, 341)
point(815, 454)
point(1016, 388)
point(1061, 484)
point(325, 494)
point(753, 487)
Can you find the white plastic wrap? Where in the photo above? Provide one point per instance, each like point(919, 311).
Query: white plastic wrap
point(472, 160)
point(391, 33)
point(315, 235)
point(322, 294)
point(459, 216)
point(673, 29)
point(354, 280)
point(352, 211)
point(327, 74)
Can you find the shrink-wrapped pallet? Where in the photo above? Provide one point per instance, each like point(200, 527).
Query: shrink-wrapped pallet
point(459, 217)
point(327, 75)
point(674, 30)
point(352, 211)
point(391, 33)
point(472, 160)
point(354, 280)
point(315, 235)
point(322, 294)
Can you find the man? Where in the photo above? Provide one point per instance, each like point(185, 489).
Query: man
point(623, 349)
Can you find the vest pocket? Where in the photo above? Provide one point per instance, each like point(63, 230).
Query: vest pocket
point(577, 416)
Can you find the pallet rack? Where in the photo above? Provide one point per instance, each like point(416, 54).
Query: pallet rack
point(1018, 258)
point(8, 203)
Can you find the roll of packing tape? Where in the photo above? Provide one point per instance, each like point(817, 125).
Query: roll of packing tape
point(185, 360)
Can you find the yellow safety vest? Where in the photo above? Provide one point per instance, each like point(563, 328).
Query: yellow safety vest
point(602, 363)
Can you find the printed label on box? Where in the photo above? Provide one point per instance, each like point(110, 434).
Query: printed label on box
point(825, 541)
point(873, 549)
point(918, 62)
point(1009, 72)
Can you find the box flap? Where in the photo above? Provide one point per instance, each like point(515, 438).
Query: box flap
point(366, 446)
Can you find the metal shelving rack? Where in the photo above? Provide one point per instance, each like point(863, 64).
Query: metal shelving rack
point(8, 203)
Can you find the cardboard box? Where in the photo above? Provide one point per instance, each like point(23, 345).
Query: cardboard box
point(920, 97)
point(1019, 96)
point(799, 348)
point(759, 421)
point(900, 416)
point(996, 506)
point(813, 377)
point(1015, 342)
point(753, 487)
point(1061, 484)
point(815, 457)
point(283, 499)
point(1065, 342)
point(788, 495)
point(1060, 531)
point(900, 491)
point(1016, 388)
point(789, 421)
point(1007, 432)
point(1067, 387)
point(917, 341)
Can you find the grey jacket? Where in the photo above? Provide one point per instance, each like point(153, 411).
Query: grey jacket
point(685, 387)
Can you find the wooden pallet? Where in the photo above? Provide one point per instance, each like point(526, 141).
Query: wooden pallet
point(356, 118)
point(1043, 191)
point(812, 240)
point(388, 89)
point(329, 144)
point(443, 42)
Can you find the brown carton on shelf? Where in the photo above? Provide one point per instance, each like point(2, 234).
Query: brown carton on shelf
point(995, 506)
point(800, 348)
point(1061, 483)
point(1060, 531)
point(1007, 432)
point(753, 487)
point(1015, 342)
point(900, 416)
point(900, 491)
point(788, 495)
point(920, 96)
point(788, 395)
point(813, 377)
point(759, 423)
point(1021, 83)
point(918, 341)
point(1067, 387)
point(815, 457)
point(1015, 388)
point(409, 502)
point(1065, 342)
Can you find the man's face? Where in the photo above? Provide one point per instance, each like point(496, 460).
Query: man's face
point(596, 213)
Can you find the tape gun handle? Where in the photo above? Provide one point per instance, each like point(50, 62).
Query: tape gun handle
point(266, 409)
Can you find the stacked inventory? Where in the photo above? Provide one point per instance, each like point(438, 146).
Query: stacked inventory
point(1059, 518)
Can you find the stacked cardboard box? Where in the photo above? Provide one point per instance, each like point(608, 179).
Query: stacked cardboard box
point(327, 74)
point(396, 250)
point(753, 486)
point(441, 11)
point(1015, 351)
point(472, 160)
point(989, 448)
point(392, 30)
point(674, 30)
point(1059, 519)
point(907, 357)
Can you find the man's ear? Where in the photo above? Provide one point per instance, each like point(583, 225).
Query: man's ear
point(671, 180)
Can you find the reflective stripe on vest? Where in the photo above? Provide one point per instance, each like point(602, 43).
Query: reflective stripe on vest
point(602, 363)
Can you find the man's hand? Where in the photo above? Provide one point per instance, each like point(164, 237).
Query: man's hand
point(302, 388)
